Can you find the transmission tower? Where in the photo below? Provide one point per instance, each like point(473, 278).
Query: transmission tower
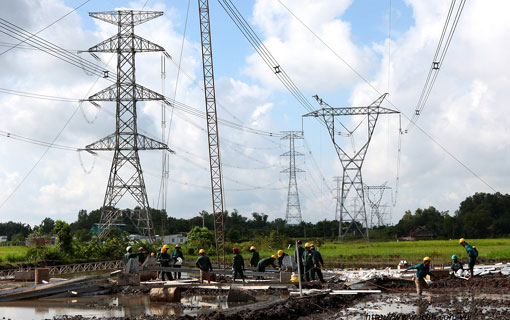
point(351, 164)
point(374, 196)
point(212, 129)
point(338, 197)
point(293, 212)
point(126, 172)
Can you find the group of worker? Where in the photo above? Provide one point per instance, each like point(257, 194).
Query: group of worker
point(423, 269)
point(309, 261)
point(174, 260)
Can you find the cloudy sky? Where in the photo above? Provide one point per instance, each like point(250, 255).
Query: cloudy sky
point(458, 147)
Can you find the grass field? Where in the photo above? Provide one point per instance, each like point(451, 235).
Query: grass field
point(12, 254)
point(390, 253)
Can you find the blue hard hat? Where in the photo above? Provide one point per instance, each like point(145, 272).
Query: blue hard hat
point(454, 257)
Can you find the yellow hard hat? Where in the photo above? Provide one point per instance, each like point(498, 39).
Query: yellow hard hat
point(462, 240)
point(165, 246)
point(152, 254)
point(307, 245)
point(426, 259)
point(201, 251)
point(273, 256)
point(253, 248)
point(280, 253)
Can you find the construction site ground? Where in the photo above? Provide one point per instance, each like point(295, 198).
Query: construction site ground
point(381, 294)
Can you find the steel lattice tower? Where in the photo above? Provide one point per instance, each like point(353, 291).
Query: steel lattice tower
point(338, 197)
point(374, 196)
point(352, 164)
point(293, 212)
point(212, 129)
point(126, 172)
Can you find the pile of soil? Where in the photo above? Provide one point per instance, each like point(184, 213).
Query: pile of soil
point(493, 283)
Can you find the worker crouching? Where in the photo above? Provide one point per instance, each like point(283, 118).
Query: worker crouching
point(422, 270)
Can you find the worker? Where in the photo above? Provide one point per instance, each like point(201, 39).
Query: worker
point(177, 253)
point(298, 258)
point(281, 256)
point(204, 264)
point(254, 258)
point(142, 256)
point(456, 264)
point(130, 254)
point(320, 263)
point(472, 253)
point(164, 261)
point(310, 261)
point(237, 265)
point(422, 270)
point(264, 263)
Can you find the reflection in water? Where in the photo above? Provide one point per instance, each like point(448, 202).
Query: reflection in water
point(110, 306)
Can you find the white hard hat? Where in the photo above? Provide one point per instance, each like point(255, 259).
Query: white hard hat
point(128, 248)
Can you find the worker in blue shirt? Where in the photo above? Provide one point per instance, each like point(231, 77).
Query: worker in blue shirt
point(422, 270)
point(472, 253)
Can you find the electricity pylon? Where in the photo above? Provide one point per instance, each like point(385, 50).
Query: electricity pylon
point(126, 171)
point(351, 164)
point(212, 129)
point(293, 212)
point(374, 196)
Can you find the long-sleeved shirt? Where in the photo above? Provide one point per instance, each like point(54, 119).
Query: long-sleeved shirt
point(422, 270)
point(238, 262)
point(319, 256)
point(130, 255)
point(280, 260)
point(456, 265)
point(310, 259)
point(298, 255)
point(164, 259)
point(471, 251)
point(204, 263)
point(266, 262)
point(177, 254)
point(254, 259)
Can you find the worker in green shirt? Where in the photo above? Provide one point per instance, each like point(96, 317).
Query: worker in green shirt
point(254, 258)
point(309, 261)
point(164, 260)
point(130, 254)
point(456, 264)
point(204, 264)
point(177, 253)
point(422, 270)
point(266, 262)
point(237, 266)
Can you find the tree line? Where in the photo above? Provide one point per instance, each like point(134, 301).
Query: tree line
point(481, 215)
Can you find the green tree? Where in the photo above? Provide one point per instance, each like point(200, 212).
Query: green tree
point(201, 238)
point(47, 226)
point(64, 237)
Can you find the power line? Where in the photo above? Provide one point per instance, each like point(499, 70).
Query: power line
point(389, 101)
point(54, 22)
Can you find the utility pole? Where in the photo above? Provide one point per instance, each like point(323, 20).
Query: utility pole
point(352, 182)
point(212, 129)
point(126, 171)
point(293, 212)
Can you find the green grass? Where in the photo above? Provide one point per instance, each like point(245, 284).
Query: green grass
point(352, 254)
point(12, 254)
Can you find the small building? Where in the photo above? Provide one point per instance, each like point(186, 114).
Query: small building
point(3, 238)
point(420, 233)
point(179, 238)
point(41, 241)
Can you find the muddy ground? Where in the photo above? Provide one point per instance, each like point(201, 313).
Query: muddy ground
point(485, 297)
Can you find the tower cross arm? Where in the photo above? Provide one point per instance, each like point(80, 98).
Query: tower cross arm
point(141, 94)
point(373, 108)
point(139, 44)
point(127, 141)
point(126, 16)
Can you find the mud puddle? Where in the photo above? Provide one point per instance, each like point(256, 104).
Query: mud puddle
point(113, 306)
point(430, 306)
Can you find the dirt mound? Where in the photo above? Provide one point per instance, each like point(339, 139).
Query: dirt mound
point(493, 283)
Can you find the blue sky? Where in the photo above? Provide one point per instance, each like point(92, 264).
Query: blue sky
point(357, 30)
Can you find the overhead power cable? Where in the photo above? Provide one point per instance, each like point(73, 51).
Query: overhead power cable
point(41, 44)
point(451, 155)
point(51, 24)
point(264, 53)
point(437, 61)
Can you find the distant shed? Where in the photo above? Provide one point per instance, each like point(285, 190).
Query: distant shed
point(420, 233)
